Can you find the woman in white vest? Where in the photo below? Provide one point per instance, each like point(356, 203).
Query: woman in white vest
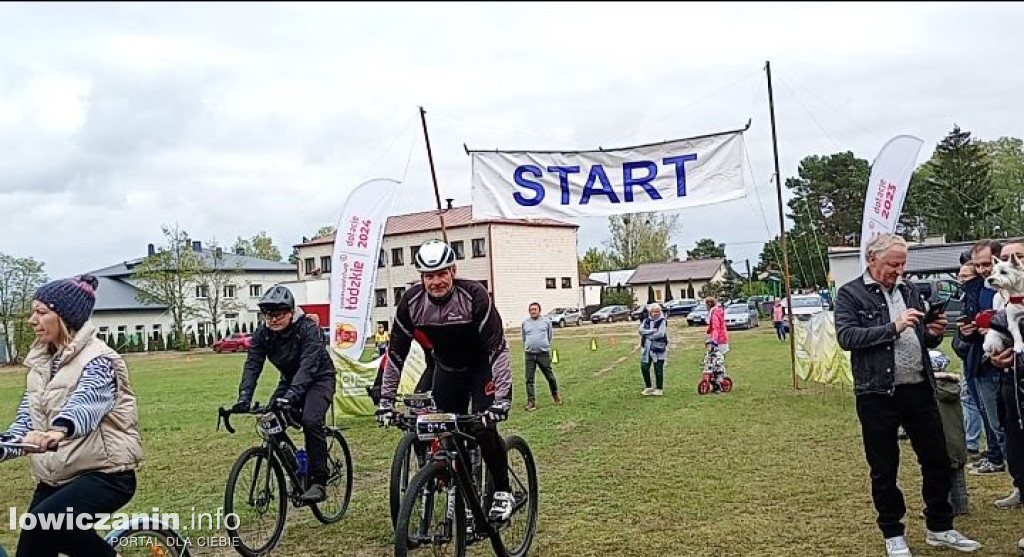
point(79, 400)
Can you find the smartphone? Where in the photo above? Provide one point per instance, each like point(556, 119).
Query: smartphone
point(934, 310)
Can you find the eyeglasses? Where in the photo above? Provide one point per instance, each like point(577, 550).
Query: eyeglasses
point(275, 314)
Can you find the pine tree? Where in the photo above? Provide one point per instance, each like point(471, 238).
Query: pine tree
point(960, 175)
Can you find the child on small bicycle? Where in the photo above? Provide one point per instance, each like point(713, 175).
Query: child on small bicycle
point(714, 363)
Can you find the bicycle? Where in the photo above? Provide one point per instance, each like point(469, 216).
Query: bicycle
point(157, 540)
point(403, 466)
point(272, 460)
point(451, 476)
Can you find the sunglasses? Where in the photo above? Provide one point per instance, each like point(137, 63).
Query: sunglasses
point(275, 314)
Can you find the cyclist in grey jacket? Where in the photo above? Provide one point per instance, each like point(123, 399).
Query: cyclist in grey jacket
point(471, 356)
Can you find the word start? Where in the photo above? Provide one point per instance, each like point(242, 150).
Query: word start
point(634, 174)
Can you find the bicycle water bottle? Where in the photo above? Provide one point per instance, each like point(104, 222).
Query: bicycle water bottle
point(300, 456)
point(289, 456)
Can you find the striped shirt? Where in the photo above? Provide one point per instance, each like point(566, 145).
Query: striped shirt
point(91, 400)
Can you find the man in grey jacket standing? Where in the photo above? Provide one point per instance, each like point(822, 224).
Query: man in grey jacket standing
point(537, 335)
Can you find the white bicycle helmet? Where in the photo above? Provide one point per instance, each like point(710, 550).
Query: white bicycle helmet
point(434, 255)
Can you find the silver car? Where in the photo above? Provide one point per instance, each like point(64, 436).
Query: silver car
point(561, 317)
point(740, 316)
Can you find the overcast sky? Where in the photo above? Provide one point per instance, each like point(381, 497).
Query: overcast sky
point(231, 119)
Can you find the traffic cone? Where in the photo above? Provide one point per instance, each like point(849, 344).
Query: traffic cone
point(554, 356)
point(593, 344)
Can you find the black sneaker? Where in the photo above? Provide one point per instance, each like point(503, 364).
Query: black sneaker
point(314, 494)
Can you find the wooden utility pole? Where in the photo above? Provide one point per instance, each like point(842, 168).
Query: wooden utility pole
point(433, 174)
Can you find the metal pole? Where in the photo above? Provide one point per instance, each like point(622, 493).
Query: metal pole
point(433, 174)
point(782, 228)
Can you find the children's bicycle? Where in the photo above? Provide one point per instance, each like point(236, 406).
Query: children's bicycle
point(256, 488)
point(713, 377)
point(434, 508)
point(141, 537)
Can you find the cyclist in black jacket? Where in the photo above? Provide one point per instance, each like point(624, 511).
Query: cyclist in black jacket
point(471, 361)
point(294, 344)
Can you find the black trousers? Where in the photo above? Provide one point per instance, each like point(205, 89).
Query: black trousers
point(1012, 428)
point(92, 493)
point(533, 361)
point(453, 393)
point(913, 407)
point(314, 423)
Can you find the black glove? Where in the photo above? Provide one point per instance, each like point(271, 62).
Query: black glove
point(385, 413)
point(241, 406)
point(498, 412)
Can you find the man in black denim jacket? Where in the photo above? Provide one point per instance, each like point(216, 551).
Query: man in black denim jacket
point(880, 320)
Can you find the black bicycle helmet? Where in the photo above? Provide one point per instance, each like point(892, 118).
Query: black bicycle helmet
point(434, 255)
point(278, 297)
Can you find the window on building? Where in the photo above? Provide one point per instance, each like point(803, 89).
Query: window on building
point(382, 260)
point(381, 296)
point(157, 328)
point(566, 282)
point(399, 291)
point(479, 249)
point(122, 329)
point(229, 291)
point(325, 264)
point(255, 290)
point(459, 247)
point(104, 333)
point(550, 283)
point(396, 257)
point(310, 265)
point(202, 291)
point(413, 250)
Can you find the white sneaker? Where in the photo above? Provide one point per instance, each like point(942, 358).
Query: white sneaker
point(951, 538)
point(897, 547)
point(648, 391)
point(1013, 500)
point(657, 392)
point(501, 508)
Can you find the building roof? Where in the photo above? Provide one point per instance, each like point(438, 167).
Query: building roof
point(116, 295)
point(612, 278)
point(585, 281)
point(231, 261)
point(675, 271)
point(921, 258)
point(426, 221)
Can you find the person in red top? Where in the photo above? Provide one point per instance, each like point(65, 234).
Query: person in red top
point(778, 317)
point(716, 324)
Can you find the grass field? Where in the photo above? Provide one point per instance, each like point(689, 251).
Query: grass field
point(764, 470)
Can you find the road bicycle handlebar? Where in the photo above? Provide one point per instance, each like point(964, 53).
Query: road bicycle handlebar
point(224, 415)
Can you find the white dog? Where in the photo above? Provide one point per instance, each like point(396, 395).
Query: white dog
point(1008, 278)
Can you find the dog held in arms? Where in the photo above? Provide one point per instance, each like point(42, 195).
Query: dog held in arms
point(1008, 278)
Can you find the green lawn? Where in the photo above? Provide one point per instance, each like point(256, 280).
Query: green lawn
point(764, 470)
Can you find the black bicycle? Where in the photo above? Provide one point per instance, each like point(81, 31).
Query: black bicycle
point(434, 508)
point(256, 489)
point(141, 537)
point(411, 453)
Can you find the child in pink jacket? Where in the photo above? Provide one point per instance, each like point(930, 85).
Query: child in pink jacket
point(716, 324)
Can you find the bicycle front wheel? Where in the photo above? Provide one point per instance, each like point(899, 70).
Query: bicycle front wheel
point(432, 514)
point(404, 465)
point(256, 495)
point(339, 479)
point(517, 534)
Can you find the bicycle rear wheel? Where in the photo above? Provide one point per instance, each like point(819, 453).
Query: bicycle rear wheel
point(424, 518)
point(518, 532)
point(257, 495)
point(339, 479)
point(404, 465)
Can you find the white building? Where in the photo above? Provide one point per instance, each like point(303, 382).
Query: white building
point(119, 312)
point(519, 261)
point(681, 276)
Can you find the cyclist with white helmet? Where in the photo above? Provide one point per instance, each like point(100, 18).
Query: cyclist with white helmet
point(294, 344)
point(471, 359)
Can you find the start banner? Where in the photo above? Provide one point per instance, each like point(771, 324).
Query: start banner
point(565, 184)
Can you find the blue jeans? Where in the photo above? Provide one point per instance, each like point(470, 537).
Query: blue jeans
point(972, 417)
point(988, 395)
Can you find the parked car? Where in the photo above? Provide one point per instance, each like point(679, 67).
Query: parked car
point(637, 313)
point(741, 316)
point(610, 314)
point(233, 343)
point(807, 306)
point(681, 307)
point(560, 317)
point(699, 316)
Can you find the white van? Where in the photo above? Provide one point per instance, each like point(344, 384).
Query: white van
point(807, 306)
